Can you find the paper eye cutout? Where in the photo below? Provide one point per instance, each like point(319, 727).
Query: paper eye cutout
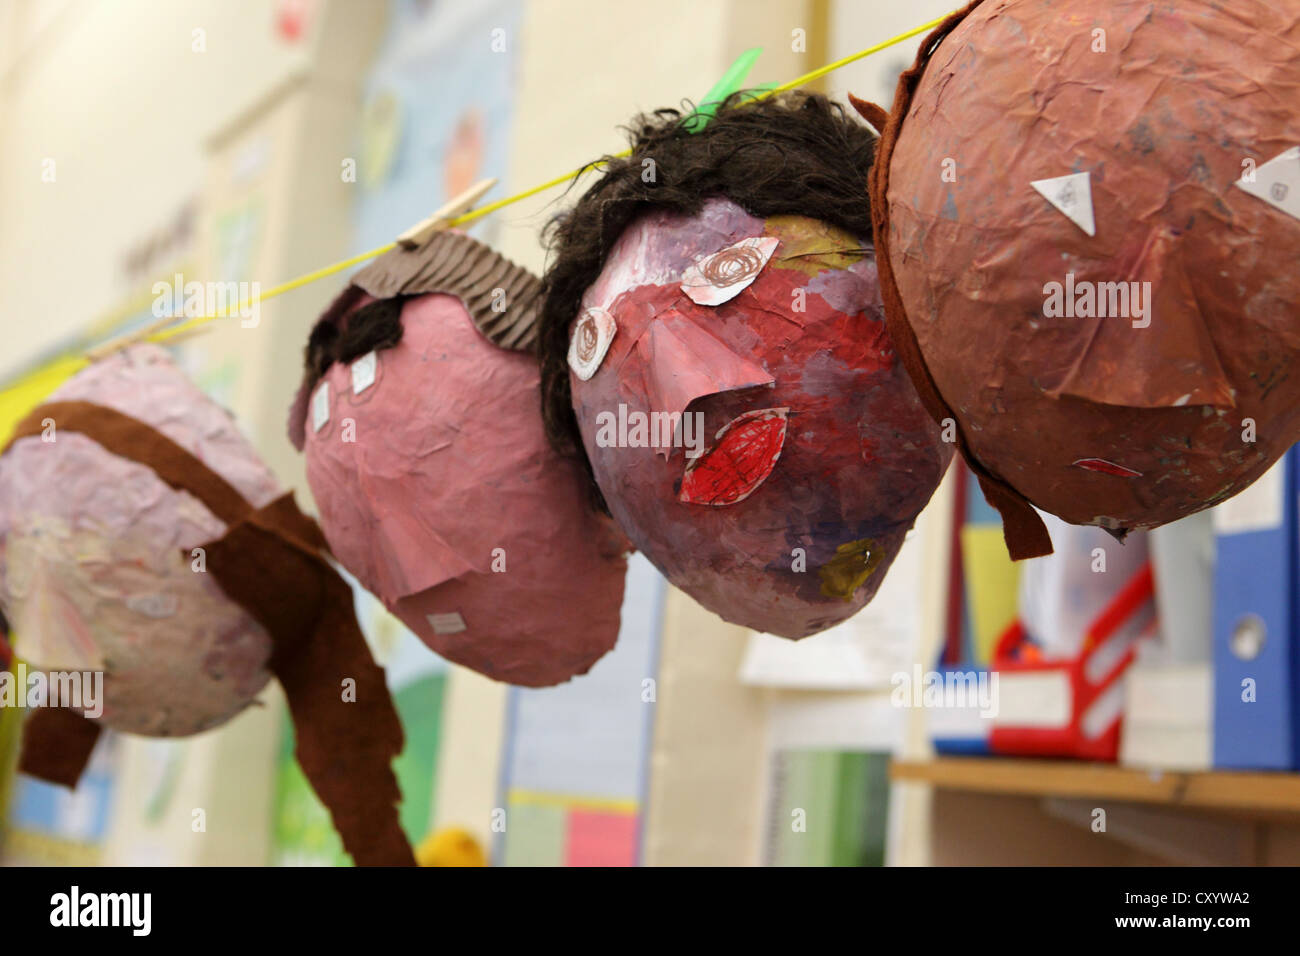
point(745, 454)
point(364, 370)
point(320, 407)
point(590, 341)
point(722, 276)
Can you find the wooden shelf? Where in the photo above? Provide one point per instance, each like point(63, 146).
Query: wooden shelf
point(1219, 789)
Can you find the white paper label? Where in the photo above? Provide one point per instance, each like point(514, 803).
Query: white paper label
point(451, 623)
point(320, 406)
point(363, 372)
point(1258, 508)
point(1072, 195)
point(1277, 182)
point(154, 606)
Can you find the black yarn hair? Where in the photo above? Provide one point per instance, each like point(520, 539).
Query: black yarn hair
point(373, 327)
point(796, 153)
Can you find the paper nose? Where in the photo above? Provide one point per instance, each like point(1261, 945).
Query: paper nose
point(683, 362)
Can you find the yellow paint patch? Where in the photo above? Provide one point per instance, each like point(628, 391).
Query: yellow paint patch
point(811, 246)
point(853, 563)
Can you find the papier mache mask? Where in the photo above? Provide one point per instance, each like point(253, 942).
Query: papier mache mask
point(428, 461)
point(716, 335)
point(1088, 257)
point(141, 537)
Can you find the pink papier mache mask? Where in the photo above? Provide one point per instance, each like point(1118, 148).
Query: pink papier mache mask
point(436, 486)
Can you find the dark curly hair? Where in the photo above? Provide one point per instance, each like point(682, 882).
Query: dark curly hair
point(793, 154)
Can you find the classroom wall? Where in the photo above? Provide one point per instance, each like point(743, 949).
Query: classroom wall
point(128, 152)
point(855, 24)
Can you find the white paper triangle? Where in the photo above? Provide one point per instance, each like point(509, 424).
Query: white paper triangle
point(1277, 182)
point(1072, 195)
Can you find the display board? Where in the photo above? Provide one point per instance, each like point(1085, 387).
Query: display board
point(576, 755)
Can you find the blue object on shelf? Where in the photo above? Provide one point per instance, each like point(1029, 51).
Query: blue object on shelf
point(962, 732)
point(1256, 642)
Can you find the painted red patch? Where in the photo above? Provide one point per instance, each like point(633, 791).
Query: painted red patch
point(747, 449)
point(1107, 467)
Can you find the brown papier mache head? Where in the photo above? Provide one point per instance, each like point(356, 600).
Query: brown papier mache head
point(1086, 257)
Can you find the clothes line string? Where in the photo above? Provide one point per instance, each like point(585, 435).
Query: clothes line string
point(337, 267)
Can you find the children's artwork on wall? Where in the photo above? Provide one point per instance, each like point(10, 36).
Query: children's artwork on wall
point(1086, 259)
point(575, 763)
point(437, 114)
point(50, 825)
point(827, 808)
point(152, 564)
point(714, 346)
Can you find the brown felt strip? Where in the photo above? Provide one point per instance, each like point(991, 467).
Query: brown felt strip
point(57, 744)
point(874, 114)
point(1025, 534)
point(347, 734)
point(136, 441)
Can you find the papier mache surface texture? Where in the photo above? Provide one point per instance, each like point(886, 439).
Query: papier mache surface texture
point(421, 424)
point(142, 538)
point(94, 549)
point(1088, 227)
point(745, 416)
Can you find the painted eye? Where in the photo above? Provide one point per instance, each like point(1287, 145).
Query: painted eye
point(722, 276)
point(746, 452)
point(591, 339)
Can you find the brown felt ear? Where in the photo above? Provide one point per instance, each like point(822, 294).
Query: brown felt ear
point(1023, 530)
point(877, 116)
point(57, 744)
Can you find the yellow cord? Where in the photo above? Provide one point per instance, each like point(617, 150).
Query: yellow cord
point(491, 207)
point(852, 57)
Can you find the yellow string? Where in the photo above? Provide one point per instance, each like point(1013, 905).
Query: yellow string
point(852, 57)
point(280, 289)
point(491, 207)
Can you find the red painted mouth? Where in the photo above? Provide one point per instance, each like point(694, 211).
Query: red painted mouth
point(1106, 467)
point(747, 449)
